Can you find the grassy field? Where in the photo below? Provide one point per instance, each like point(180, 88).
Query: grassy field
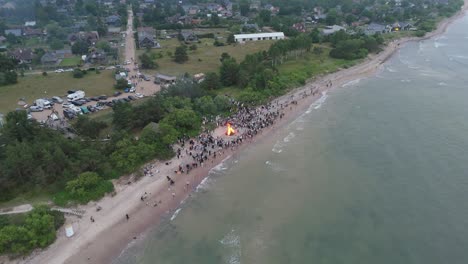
point(315, 64)
point(55, 84)
point(68, 62)
point(205, 58)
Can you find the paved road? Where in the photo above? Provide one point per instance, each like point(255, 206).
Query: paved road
point(143, 87)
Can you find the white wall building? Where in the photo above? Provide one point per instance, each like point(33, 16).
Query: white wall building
point(258, 36)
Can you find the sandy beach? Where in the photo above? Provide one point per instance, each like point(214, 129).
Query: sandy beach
point(103, 240)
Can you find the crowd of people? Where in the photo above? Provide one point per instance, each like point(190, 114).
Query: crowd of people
point(247, 121)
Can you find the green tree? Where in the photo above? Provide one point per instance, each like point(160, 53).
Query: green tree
point(222, 103)
point(244, 7)
point(229, 72)
point(231, 39)
point(56, 44)
point(88, 127)
point(80, 47)
point(121, 84)
point(206, 106)
point(211, 81)
point(147, 62)
point(180, 55)
point(88, 186)
point(77, 73)
point(104, 45)
point(214, 19)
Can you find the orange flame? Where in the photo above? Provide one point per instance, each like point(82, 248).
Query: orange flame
point(230, 131)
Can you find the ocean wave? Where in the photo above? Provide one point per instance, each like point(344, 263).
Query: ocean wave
point(174, 215)
point(277, 148)
point(438, 44)
point(204, 184)
point(290, 136)
point(391, 69)
point(442, 84)
point(231, 241)
point(317, 104)
point(405, 80)
point(353, 82)
point(222, 166)
point(461, 57)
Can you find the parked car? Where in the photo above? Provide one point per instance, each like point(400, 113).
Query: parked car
point(132, 90)
point(84, 109)
point(57, 99)
point(125, 99)
point(131, 97)
point(102, 97)
point(146, 78)
point(117, 93)
point(36, 108)
point(78, 103)
point(59, 70)
point(68, 113)
point(126, 90)
point(66, 105)
point(91, 108)
point(94, 99)
point(76, 110)
point(71, 91)
point(69, 70)
point(139, 95)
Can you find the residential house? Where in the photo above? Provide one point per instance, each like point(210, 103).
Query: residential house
point(63, 53)
point(193, 10)
point(113, 20)
point(24, 56)
point(33, 32)
point(147, 38)
point(2, 39)
point(241, 38)
point(30, 23)
point(332, 29)
point(17, 32)
point(96, 57)
point(273, 9)
point(374, 28)
point(147, 41)
point(79, 26)
point(91, 37)
point(189, 36)
point(300, 27)
point(49, 58)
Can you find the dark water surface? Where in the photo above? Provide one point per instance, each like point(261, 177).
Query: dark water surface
point(377, 172)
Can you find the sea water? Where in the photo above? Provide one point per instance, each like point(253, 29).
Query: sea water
point(377, 174)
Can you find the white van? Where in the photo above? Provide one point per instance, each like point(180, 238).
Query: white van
point(76, 95)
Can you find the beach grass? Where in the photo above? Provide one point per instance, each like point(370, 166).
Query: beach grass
point(32, 87)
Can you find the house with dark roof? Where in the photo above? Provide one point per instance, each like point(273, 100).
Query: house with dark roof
point(33, 32)
point(113, 20)
point(49, 58)
point(375, 28)
point(96, 57)
point(92, 37)
point(24, 56)
point(188, 36)
point(63, 53)
point(17, 32)
point(147, 38)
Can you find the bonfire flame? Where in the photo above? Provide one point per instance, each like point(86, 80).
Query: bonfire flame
point(230, 131)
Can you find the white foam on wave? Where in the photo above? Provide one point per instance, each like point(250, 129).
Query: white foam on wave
point(413, 67)
point(442, 84)
point(350, 83)
point(405, 80)
point(274, 166)
point(317, 104)
point(439, 44)
point(277, 148)
point(290, 136)
point(204, 184)
point(174, 215)
point(391, 69)
point(461, 57)
point(221, 166)
point(231, 241)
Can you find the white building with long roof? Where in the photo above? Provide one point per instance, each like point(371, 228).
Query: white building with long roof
point(258, 36)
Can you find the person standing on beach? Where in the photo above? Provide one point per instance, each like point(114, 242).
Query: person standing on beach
point(128, 217)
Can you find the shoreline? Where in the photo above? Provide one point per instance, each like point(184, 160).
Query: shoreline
point(105, 239)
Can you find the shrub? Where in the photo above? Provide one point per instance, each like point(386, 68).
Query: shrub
point(88, 186)
point(77, 73)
